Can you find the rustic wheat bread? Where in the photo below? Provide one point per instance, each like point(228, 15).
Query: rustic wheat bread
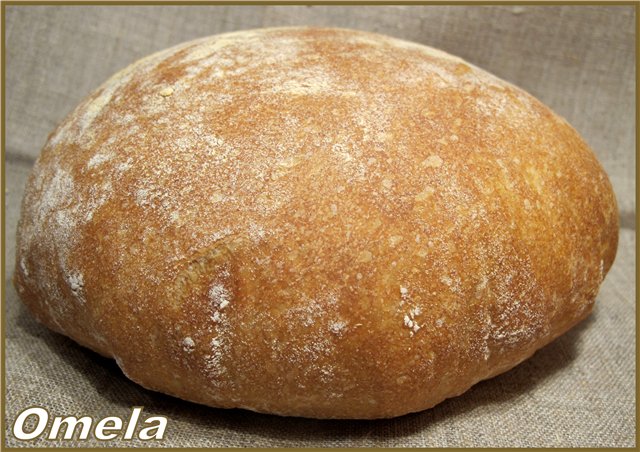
point(313, 222)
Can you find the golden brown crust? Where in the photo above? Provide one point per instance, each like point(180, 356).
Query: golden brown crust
point(314, 222)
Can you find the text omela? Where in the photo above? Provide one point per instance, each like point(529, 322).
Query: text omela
point(71, 427)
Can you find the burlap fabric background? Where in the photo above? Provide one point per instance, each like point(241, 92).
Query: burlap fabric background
point(578, 391)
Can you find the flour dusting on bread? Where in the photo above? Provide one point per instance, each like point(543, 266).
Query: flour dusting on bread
point(320, 222)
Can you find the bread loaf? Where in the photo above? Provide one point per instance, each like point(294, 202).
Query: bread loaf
point(313, 222)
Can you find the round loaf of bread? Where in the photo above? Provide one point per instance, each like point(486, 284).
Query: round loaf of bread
point(313, 222)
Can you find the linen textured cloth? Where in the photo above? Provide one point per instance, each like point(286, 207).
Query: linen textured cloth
point(579, 60)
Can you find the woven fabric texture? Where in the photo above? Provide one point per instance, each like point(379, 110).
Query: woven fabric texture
point(579, 60)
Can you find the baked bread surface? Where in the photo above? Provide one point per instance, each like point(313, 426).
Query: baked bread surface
point(313, 222)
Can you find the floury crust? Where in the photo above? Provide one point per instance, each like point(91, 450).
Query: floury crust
point(313, 222)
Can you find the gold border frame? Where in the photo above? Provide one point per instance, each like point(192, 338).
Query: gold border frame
point(3, 5)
